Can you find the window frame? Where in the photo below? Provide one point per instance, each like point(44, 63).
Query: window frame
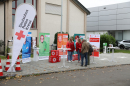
point(25, 2)
point(126, 41)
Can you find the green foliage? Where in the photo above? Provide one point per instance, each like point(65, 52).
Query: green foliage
point(1, 47)
point(1, 43)
point(4, 57)
point(121, 51)
point(37, 45)
point(55, 37)
point(8, 50)
point(106, 38)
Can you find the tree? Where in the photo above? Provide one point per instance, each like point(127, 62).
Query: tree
point(106, 38)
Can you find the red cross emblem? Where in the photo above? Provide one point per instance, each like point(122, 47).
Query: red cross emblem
point(20, 35)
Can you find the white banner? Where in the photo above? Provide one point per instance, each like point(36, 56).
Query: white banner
point(24, 16)
point(95, 42)
point(26, 49)
point(34, 41)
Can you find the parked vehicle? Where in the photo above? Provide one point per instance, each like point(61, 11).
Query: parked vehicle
point(124, 44)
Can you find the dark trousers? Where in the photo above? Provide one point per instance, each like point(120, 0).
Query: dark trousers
point(82, 58)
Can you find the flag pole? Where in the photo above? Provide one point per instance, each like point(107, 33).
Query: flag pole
point(61, 14)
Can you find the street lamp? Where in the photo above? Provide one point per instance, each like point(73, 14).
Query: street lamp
point(4, 22)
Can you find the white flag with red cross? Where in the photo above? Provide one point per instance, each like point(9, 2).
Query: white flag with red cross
point(24, 16)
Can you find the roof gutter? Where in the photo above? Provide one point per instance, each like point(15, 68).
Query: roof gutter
point(81, 6)
point(3, 1)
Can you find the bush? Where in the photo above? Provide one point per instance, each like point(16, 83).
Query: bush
point(1, 43)
point(55, 37)
point(106, 38)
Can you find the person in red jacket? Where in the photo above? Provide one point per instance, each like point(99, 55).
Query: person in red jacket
point(70, 45)
point(78, 48)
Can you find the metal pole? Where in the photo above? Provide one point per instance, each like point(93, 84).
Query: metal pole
point(61, 14)
point(4, 28)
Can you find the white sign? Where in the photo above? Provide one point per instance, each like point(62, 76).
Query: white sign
point(24, 16)
point(82, 36)
point(34, 41)
point(94, 40)
point(65, 36)
point(47, 35)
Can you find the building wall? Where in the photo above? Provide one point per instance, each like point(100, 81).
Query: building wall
point(110, 17)
point(8, 20)
point(73, 19)
point(76, 20)
point(1, 21)
point(51, 23)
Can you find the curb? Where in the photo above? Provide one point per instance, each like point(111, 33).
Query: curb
point(72, 70)
point(33, 74)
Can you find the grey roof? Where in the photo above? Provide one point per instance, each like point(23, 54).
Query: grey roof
point(81, 6)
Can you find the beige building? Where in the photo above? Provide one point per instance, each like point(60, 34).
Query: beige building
point(48, 19)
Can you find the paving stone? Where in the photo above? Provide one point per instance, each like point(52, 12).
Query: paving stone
point(45, 67)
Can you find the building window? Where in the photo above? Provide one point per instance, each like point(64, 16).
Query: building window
point(118, 35)
point(16, 3)
point(126, 35)
point(53, 9)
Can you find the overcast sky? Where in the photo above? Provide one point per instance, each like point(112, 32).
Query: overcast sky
point(95, 3)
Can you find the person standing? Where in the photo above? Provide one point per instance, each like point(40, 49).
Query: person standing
point(43, 45)
point(84, 52)
point(78, 48)
point(70, 45)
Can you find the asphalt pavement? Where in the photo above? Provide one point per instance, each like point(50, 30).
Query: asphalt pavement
point(107, 76)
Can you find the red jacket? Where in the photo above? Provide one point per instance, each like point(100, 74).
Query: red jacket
point(78, 46)
point(71, 46)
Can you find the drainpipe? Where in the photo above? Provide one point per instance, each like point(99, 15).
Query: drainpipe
point(4, 23)
point(4, 28)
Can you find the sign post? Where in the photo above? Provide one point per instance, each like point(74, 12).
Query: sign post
point(104, 47)
point(64, 50)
